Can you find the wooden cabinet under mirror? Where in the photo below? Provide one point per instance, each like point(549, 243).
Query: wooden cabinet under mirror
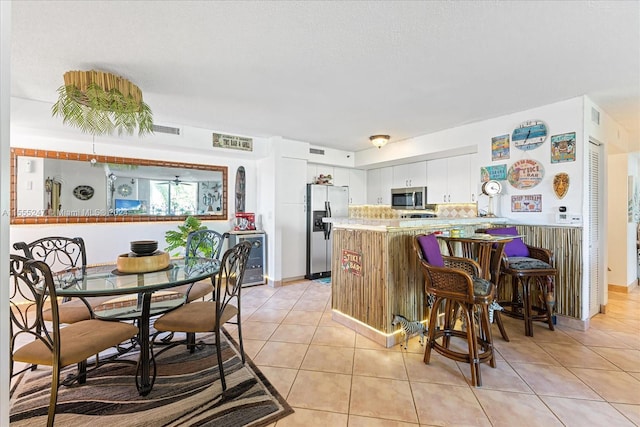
point(59, 187)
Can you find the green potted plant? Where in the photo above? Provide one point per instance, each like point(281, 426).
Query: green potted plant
point(177, 239)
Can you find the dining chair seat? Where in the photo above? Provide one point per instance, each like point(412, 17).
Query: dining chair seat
point(78, 342)
point(75, 310)
point(197, 316)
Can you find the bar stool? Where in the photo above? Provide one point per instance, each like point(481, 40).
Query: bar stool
point(529, 267)
point(455, 284)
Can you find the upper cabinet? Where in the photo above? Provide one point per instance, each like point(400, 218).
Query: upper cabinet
point(451, 180)
point(379, 184)
point(410, 175)
point(353, 178)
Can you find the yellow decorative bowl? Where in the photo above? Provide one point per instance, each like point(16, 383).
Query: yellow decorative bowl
point(127, 263)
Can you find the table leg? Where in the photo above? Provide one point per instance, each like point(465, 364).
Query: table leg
point(144, 379)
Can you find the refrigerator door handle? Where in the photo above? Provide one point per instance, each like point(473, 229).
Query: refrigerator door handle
point(413, 199)
point(327, 225)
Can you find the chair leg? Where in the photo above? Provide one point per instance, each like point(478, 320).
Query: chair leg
point(485, 325)
point(82, 372)
point(240, 338)
point(220, 364)
point(503, 331)
point(543, 289)
point(472, 342)
point(53, 400)
point(191, 342)
point(433, 324)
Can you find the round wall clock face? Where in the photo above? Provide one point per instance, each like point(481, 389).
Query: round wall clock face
point(491, 188)
point(125, 190)
point(529, 135)
point(83, 192)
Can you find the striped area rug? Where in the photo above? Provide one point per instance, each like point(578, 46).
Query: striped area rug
point(187, 392)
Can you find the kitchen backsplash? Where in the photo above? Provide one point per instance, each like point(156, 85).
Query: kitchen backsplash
point(442, 210)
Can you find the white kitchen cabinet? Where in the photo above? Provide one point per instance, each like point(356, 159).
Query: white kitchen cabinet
point(379, 184)
point(293, 232)
point(410, 175)
point(450, 180)
point(357, 187)
point(340, 176)
point(314, 170)
point(292, 194)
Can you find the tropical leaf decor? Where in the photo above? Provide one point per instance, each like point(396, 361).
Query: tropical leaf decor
point(100, 103)
point(177, 239)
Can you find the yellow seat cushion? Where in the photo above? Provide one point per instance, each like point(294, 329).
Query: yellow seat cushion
point(198, 316)
point(78, 342)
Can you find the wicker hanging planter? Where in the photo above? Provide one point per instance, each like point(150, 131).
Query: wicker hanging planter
point(99, 103)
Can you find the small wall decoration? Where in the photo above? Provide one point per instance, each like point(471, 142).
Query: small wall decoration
point(500, 147)
point(526, 203)
point(529, 135)
point(231, 141)
point(633, 198)
point(352, 262)
point(497, 172)
point(561, 184)
point(563, 148)
point(525, 173)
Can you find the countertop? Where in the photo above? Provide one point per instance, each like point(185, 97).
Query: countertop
point(390, 224)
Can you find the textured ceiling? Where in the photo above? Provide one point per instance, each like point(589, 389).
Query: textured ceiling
point(333, 73)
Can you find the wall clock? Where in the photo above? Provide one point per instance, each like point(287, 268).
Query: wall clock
point(125, 190)
point(83, 192)
point(529, 135)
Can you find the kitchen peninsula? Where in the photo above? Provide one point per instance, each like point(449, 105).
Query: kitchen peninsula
point(375, 273)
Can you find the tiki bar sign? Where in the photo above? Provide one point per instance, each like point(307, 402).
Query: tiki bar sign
point(351, 262)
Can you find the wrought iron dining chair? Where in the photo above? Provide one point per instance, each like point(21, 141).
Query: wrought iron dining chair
point(206, 244)
point(60, 254)
point(209, 316)
point(526, 265)
point(32, 289)
point(456, 284)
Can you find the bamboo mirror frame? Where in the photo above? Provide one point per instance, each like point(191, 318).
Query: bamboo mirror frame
point(26, 179)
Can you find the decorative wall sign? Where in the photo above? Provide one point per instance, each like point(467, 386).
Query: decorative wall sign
point(525, 173)
point(529, 135)
point(561, 184)
point(352, 262)
point(497, 172)
point(526, 203)
point(563, 148)
point(500, 147)
point(231, 141)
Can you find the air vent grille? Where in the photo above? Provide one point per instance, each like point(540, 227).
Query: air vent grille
point(316, 151)
point(166, 129)
point(595, 116)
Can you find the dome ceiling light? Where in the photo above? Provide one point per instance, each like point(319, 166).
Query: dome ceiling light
point(379, 140)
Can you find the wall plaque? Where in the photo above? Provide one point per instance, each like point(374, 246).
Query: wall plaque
point(231, 141)
point(352, 262)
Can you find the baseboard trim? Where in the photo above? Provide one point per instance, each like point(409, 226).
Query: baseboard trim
point(623, 289)
point(572, 322)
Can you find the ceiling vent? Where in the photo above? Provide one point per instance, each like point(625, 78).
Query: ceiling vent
point(595, 116)
point(166, 129)
point(316, 151)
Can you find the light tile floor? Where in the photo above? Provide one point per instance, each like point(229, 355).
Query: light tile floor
point(334, 377)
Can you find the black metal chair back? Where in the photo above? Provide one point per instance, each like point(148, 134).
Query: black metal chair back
point(204, 243)
point(59, 253)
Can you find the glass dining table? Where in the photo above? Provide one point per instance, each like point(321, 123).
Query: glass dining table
point(137, 296)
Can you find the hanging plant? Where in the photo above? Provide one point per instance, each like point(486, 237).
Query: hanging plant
point(99, 103)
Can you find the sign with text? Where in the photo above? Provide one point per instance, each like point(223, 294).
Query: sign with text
point(231, 141)
point(497, 172)
point(352, 262)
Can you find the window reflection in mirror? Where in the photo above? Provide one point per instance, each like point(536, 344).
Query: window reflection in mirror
point(69, 187)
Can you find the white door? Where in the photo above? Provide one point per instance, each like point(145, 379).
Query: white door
point(596, 287)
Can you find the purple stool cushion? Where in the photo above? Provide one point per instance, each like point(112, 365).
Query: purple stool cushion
point(516, 247)
point(431, 250)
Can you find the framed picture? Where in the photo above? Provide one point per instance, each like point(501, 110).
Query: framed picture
point(231, 141)
point(563, 148)
point(526, 203)
point(500, 147)
point(497, 172)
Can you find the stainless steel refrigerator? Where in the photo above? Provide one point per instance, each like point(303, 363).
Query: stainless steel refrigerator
point(322, 201)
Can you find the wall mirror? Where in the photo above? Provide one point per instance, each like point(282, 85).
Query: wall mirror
point(60, 187)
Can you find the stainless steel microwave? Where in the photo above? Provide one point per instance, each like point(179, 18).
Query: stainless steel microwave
point(409, 198)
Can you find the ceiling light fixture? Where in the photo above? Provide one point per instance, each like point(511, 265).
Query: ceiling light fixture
point(379, 140)
point(98, 103)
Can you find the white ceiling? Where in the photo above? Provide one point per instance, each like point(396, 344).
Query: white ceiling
point(333, 73)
